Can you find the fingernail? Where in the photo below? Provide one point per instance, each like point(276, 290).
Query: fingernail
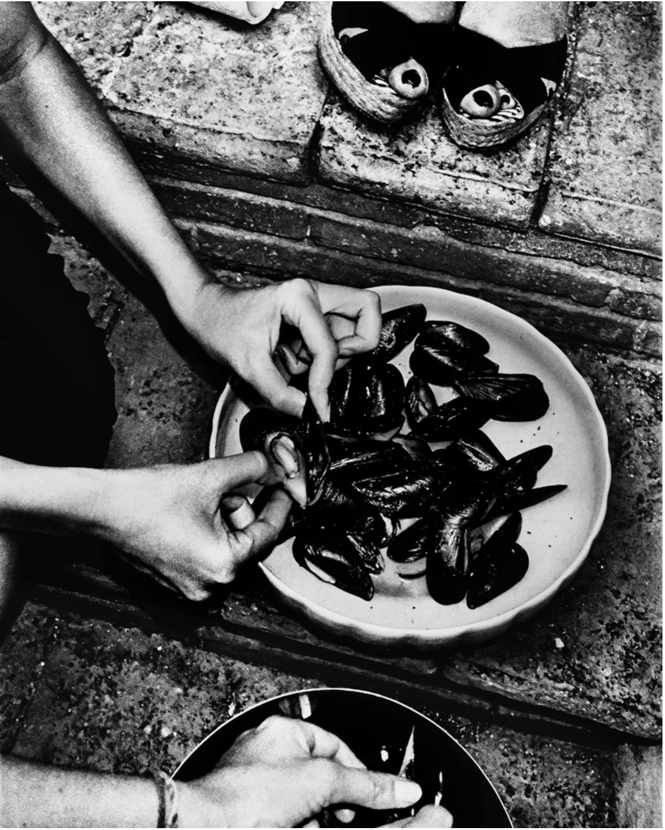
point(407, 792)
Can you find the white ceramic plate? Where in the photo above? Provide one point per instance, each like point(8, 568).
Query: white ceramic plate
point(557, 534)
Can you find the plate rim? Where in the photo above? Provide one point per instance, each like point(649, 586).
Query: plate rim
point(481, 629)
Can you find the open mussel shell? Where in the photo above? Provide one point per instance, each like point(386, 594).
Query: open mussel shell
point(296, 449)
point(411, 544)
point(472, 451)
point(399, 328)
point(521, 500)
point(508, 397)
point(444, 334)
point(442, 366)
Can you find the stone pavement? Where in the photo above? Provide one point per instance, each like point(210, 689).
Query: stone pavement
point(269, 174)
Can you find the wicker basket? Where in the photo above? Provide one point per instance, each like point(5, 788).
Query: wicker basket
point(377, 102)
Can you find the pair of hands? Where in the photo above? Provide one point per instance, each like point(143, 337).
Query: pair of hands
point(186, 525)
point(284, 773)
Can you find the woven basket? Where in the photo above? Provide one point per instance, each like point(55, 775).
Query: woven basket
point(377, 102)
point(477, 134)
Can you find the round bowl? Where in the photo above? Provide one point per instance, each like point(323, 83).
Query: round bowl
point(557, 534)
point(378, 730)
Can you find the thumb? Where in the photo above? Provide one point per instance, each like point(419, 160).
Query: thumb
point(235, 471)
point(376, 790)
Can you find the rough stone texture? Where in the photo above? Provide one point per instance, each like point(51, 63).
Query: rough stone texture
point(546, 782)
point(639, 798)
point(202, 86)
point(418, 163)
point(116, 699)
point(606, 155)
point(164, 407)
point(97, 35)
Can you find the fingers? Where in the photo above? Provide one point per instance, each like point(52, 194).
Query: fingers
point(262, 533)
point(364, 307)
point(238, 511)
point(376, 790)
point(323, 744)
point(234, 471)
point(274, 388)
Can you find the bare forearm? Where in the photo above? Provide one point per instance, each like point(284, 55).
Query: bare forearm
point(51, 499)
point(50, 116)
point(32, 795)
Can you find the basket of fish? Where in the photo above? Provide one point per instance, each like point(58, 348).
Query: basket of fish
point(457, 487)
point(413, 746)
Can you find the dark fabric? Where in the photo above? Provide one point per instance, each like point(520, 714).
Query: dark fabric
point(56, 383)
point(478, 60)
point(391, 38)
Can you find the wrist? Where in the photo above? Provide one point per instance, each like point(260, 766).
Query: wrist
point(50, 499)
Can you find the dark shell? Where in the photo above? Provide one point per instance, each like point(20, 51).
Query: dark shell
point(447, 556)
point(419, 401)
point(452, 419)
point(332, 558)
point(473, 450)
point(495, 573)
point(444, 334)
point(406, 494)
point(410, 544)
point(280, 437)
point(377, 459)
point(400, 326)
point(521, 500)
point(417, 448)
point(342, 506)
point(468, 500)
point(366, 399)
point(509, 397)
point(442, 366)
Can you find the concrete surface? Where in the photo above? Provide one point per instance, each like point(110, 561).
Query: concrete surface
point(269, 174)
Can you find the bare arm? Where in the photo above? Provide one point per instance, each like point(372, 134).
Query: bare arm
point(50, 115)
point(71, 798)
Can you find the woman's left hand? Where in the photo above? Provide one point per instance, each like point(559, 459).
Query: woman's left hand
point(241, 327)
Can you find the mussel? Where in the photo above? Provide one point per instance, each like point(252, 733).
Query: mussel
point(399, 328)
point(333, 556)
point(498, 565)
point(366, 400)
point(508, 397)
point(296, 449)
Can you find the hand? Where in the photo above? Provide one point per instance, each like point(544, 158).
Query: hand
point(185, 525)
point(241, 328)
point(282, 774)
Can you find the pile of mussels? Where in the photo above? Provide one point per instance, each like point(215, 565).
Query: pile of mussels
point(358, 479)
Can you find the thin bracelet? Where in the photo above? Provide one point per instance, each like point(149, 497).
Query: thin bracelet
point(168, 800)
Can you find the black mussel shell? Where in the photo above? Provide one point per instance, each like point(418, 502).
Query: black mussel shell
point(444, 334)
point(452, 419)
point(366, 399)
point(447, 555)
point(400, 326)
point(342, 506)
point(417, 448)
point(493, 573)
point(442, 366)
point(473, 450)
point(315, 449)
point(410, 544)
point(510, 397)
point(468, 500)
point(419, 401)
point(406, 494)
point(521, 471)
point(521, 500)
point(330, 556)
